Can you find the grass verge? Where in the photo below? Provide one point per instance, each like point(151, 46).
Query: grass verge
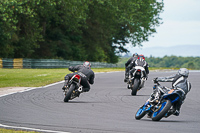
point(37, 77)
point(15, 131)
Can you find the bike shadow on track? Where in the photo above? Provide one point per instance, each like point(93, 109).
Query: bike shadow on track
point(163, 120)
point(135, 95)
point(85, 102)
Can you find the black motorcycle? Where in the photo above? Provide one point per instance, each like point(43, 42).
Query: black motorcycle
point(73, 89)
point(136, 82)
point(161, 104)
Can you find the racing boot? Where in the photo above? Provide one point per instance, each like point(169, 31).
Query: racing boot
point(177, 107)
point(126, 78)
point(65, 85)
point(176, 113)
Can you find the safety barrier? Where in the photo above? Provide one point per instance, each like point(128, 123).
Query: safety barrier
point(18, 63)
point(47, 63)
point(1, 63)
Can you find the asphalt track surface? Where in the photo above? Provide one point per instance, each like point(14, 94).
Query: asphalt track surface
point(107, 108)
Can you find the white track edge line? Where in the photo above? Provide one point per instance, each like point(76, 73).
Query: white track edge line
point(32, 129)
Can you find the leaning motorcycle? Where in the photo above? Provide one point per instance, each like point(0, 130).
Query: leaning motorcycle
point(73, 89)
point(136, 82)
point(162, 103)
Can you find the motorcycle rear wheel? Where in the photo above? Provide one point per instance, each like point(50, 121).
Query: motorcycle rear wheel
point(135, 87)
point(69, 93)
point(162, 110)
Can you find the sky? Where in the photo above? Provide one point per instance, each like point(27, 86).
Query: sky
point(181, 25)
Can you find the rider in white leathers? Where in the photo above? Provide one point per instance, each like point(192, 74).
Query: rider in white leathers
point(180, 82)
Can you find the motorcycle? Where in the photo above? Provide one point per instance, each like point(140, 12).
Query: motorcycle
point(136, 82)
point(73, 89)
point(161, 105)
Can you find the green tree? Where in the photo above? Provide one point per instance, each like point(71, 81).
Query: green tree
point(94, 30)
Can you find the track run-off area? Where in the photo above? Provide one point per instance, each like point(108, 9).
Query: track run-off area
point(107, 108)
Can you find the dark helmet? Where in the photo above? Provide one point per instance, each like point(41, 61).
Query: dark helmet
point(141, 56)
point(135, 55)
point(184, 72)
point(87, 64)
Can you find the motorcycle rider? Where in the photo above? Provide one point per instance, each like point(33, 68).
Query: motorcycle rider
point(127, 69)
point(87, 75)
point(140, 61)
point(180, 82)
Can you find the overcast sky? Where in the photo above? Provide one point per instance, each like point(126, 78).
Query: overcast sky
point(181, 24)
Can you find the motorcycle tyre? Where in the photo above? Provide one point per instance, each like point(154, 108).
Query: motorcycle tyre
point(141, 114)
point(69, 93)
point(135, 87)
point(162, 113)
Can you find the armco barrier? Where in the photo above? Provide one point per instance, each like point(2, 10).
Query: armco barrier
point(7, 63)
point(47, 63)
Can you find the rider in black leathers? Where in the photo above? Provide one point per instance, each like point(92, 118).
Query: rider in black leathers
point(132, 59)
point(87, 75)
point(180, 82)
point(140, 61)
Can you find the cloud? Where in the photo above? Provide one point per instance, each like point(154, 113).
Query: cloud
point(181, 24)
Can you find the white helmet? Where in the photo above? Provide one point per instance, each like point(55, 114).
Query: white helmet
point(183, 72)
point(87, 64)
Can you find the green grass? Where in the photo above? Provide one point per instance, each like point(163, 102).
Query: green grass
point(37, 77)
point(14, 131)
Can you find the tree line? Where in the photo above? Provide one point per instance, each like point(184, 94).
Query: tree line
point(93, 30)
point(174, 62)
point(169, 62)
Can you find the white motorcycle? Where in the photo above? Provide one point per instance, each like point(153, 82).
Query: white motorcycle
point(136, 82)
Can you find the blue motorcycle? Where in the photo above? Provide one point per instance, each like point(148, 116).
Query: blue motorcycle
point(161, 103)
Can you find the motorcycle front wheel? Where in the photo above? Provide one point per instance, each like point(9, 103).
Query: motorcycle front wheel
point(161, 110)
point(135, 87)
point(140, 113)
point(69, 93)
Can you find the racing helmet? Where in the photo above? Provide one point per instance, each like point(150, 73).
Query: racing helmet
point(183, 72)
point(87, 64)
point(135, 55)
point(141, 56)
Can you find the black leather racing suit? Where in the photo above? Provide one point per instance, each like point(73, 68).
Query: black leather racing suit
point(132, 59)
point(87, 75)
point(178, 82)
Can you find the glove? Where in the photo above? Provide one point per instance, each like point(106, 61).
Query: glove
point(71, 68)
